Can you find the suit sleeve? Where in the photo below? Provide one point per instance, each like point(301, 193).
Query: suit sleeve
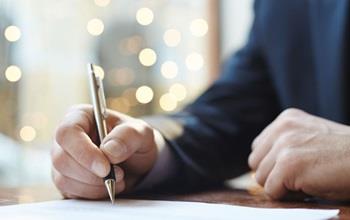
point(211, 137)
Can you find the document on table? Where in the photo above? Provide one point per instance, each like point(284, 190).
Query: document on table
point(152, 210)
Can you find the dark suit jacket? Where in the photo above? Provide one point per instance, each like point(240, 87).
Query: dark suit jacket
point(295, 57)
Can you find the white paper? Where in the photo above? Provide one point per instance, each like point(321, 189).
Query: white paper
point(152, 210)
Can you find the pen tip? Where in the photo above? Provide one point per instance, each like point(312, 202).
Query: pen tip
point(110, 185)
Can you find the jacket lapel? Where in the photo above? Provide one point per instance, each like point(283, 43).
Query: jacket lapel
point(328, 28)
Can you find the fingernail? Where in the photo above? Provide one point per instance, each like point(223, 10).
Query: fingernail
point(114, 148)
point(99, 169)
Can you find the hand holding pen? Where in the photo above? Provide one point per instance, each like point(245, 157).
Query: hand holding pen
point(79, 165)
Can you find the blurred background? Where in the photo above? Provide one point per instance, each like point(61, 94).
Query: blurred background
point(155, 57)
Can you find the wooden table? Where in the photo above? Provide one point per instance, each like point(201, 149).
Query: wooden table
point(254, 197)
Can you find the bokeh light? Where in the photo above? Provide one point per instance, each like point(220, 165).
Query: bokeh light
point(148, 57)
point(144, 16)
point(144, 94)
point(199, 27)
point(179, 91)
point(169, 69)
point(95, 27)
point(99, 71)
point(168, 102)
point(102, 3)
point(13, 73)
point(194, 61)
point(12, 33)
point(27, 133)
point(172, 37)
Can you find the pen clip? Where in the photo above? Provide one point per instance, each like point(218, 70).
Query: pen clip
point(102, 97)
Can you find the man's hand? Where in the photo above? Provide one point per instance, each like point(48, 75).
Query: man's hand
point(302, 152)
point(78, 164)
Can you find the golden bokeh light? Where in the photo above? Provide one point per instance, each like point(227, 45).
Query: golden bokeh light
point(144, 16)
point(147, 57)
point(99, 71)
point(13, 73)
point(168, 102)
point(194, 61)
point(102, 3)
point(172, 37)
point(179, 91)
point(95, 27)
point(199, 27)
point(144, 94)
point(169, 69)
point(12, 33)
point(27, 133)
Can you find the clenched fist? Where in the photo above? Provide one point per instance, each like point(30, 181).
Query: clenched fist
point(302, 152)
point(79, 165)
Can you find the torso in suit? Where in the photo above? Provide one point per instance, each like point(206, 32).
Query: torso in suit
point(296, 56)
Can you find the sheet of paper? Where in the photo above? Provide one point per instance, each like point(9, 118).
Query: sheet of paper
point(151, 210)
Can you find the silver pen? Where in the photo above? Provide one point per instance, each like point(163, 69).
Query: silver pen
point(100, 113)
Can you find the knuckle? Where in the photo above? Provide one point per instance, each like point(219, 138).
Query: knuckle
point(63, 131)
point(252, 162)
point(282, 141)
point(142, 128)
point(60, 133)
point(284, 156)
point(288, 139)
point(290, 161)
point(130, 128)
point(288, 122)
point(292, 112)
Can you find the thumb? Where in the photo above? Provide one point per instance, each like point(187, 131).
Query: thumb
point(127, 139)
